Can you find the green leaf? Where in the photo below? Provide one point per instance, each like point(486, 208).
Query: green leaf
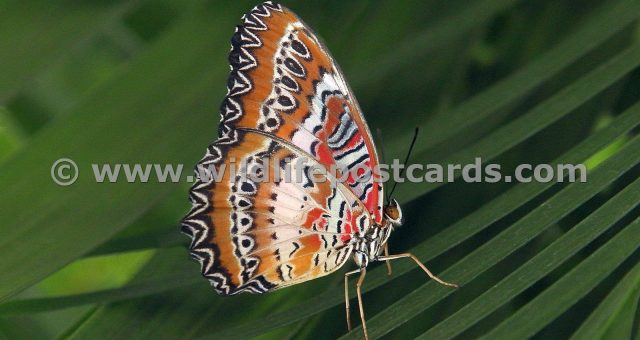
point(146, 315)
point(571, 287)
point(508, 241)
point(514, 87)
point(184, 312)
point(621, 303)
point(442, 31)
point(179, 277)
point(35, 34)
point(542, 264)
point(543, 115)
point(448, 238)
point(165, 92)
point(149, 240)
point(528, 82)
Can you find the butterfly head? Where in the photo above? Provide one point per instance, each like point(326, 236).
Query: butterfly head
point(393, 213)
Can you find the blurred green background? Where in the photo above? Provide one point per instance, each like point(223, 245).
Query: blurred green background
point(511, 81)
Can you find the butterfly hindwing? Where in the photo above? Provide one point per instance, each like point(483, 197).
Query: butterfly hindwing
point(254, 233)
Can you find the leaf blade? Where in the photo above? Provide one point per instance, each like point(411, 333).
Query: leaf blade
point(505, 243)
point(578, 282)
point(160, 109)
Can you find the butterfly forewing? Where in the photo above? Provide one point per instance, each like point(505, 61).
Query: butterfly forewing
point(284, 82)
point(286, 99)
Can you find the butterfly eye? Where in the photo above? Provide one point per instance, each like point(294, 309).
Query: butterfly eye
point(393, 213)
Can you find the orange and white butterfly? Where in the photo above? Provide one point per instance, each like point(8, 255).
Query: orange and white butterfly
point(287, 99)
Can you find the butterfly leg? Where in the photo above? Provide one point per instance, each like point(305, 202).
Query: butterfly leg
point(386, 253)
point(420, 264)
point(363, 272)
point(346, 295)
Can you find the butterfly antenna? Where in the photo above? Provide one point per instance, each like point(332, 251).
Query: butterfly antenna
point(406, 160)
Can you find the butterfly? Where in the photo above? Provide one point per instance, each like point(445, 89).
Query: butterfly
point(288, 100)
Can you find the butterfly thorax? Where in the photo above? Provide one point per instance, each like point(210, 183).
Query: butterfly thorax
point(370, 245)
